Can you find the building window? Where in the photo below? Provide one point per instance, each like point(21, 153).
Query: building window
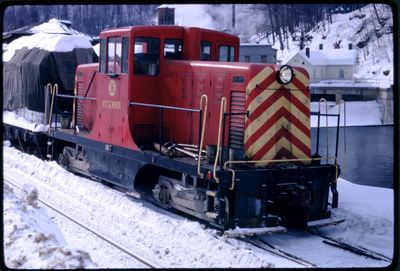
point(173, 49)
point(263, 59)
point(247, 59)
point(147, 56)
point(205, 50)
point(341, 73)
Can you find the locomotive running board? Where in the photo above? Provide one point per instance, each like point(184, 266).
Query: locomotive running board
point(316, 224)
point(240, 232)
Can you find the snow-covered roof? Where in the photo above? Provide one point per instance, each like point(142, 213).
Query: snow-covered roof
point(48, 42)
point(55, 26)
point(330, 57)
point(256, 44)
point(164, 6)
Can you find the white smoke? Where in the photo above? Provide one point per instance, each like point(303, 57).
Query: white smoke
point(250, 19)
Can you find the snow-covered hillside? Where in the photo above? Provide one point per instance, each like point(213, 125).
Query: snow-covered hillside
point(375, 58)
point(361, 28)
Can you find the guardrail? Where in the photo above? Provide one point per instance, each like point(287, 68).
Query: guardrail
point(354, 83)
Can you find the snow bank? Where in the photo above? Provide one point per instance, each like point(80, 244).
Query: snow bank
point(357, 114)
point(15, 119)
point(31, 239)
point(170, 239)
point(369, 216)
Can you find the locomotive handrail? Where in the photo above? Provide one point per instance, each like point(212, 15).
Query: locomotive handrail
point(203, 124)
point(164, 107)
point(76, 97)
point(54, 92)
point(344, 134)
point(275, 161)
point(221, 114)
point(326, 125)
point(74, 108)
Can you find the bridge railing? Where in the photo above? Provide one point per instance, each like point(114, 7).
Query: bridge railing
point(353, 82)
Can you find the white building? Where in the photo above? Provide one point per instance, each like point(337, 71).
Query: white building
point(330, 64)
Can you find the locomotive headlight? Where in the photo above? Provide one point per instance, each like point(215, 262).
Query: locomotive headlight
point(285, 74)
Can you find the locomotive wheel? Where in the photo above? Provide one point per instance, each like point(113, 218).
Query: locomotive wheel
point(165, 192)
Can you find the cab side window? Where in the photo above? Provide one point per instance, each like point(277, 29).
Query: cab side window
point(111, 56)
point(226, 53)
point(114, 54)
point(205, 51)
point(147, 56)
point(103, 47)
point(173, 49)
point(125, 54)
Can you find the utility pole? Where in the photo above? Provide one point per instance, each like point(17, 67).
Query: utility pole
point(233, 18)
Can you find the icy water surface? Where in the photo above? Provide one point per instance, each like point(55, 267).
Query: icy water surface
point(369, 159)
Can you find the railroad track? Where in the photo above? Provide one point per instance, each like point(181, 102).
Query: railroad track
point(145, 261)
point(258, 242)
point(353, 248)
point(336, 243)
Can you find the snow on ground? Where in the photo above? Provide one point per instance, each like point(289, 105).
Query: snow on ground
point(31, 239)
point(369, 218)
point(174, 241)
point(178, 242)
point(357, 114)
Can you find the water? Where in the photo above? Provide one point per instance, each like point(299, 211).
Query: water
point(369, 159)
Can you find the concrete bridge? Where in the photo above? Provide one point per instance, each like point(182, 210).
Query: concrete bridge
point(355, 91)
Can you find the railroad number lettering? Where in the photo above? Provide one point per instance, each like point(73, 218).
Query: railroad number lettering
point(111, 104)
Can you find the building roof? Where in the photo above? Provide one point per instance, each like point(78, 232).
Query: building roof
point(330, 57)
point(257, 45)
point(53, 26)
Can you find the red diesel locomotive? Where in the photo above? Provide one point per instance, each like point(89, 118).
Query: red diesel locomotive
point(169, 114)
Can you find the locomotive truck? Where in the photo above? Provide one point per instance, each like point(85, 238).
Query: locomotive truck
point(169, 114)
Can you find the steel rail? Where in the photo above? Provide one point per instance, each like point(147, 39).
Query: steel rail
point(353, 248)
point(139, 258)
point(276, 251)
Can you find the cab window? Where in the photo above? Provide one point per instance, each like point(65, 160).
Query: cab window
point(103, 47)
point(205, 50)
point(125, 52)
point(226, 53)
point(114, 54)
point(173, 49)
point(147, 56)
